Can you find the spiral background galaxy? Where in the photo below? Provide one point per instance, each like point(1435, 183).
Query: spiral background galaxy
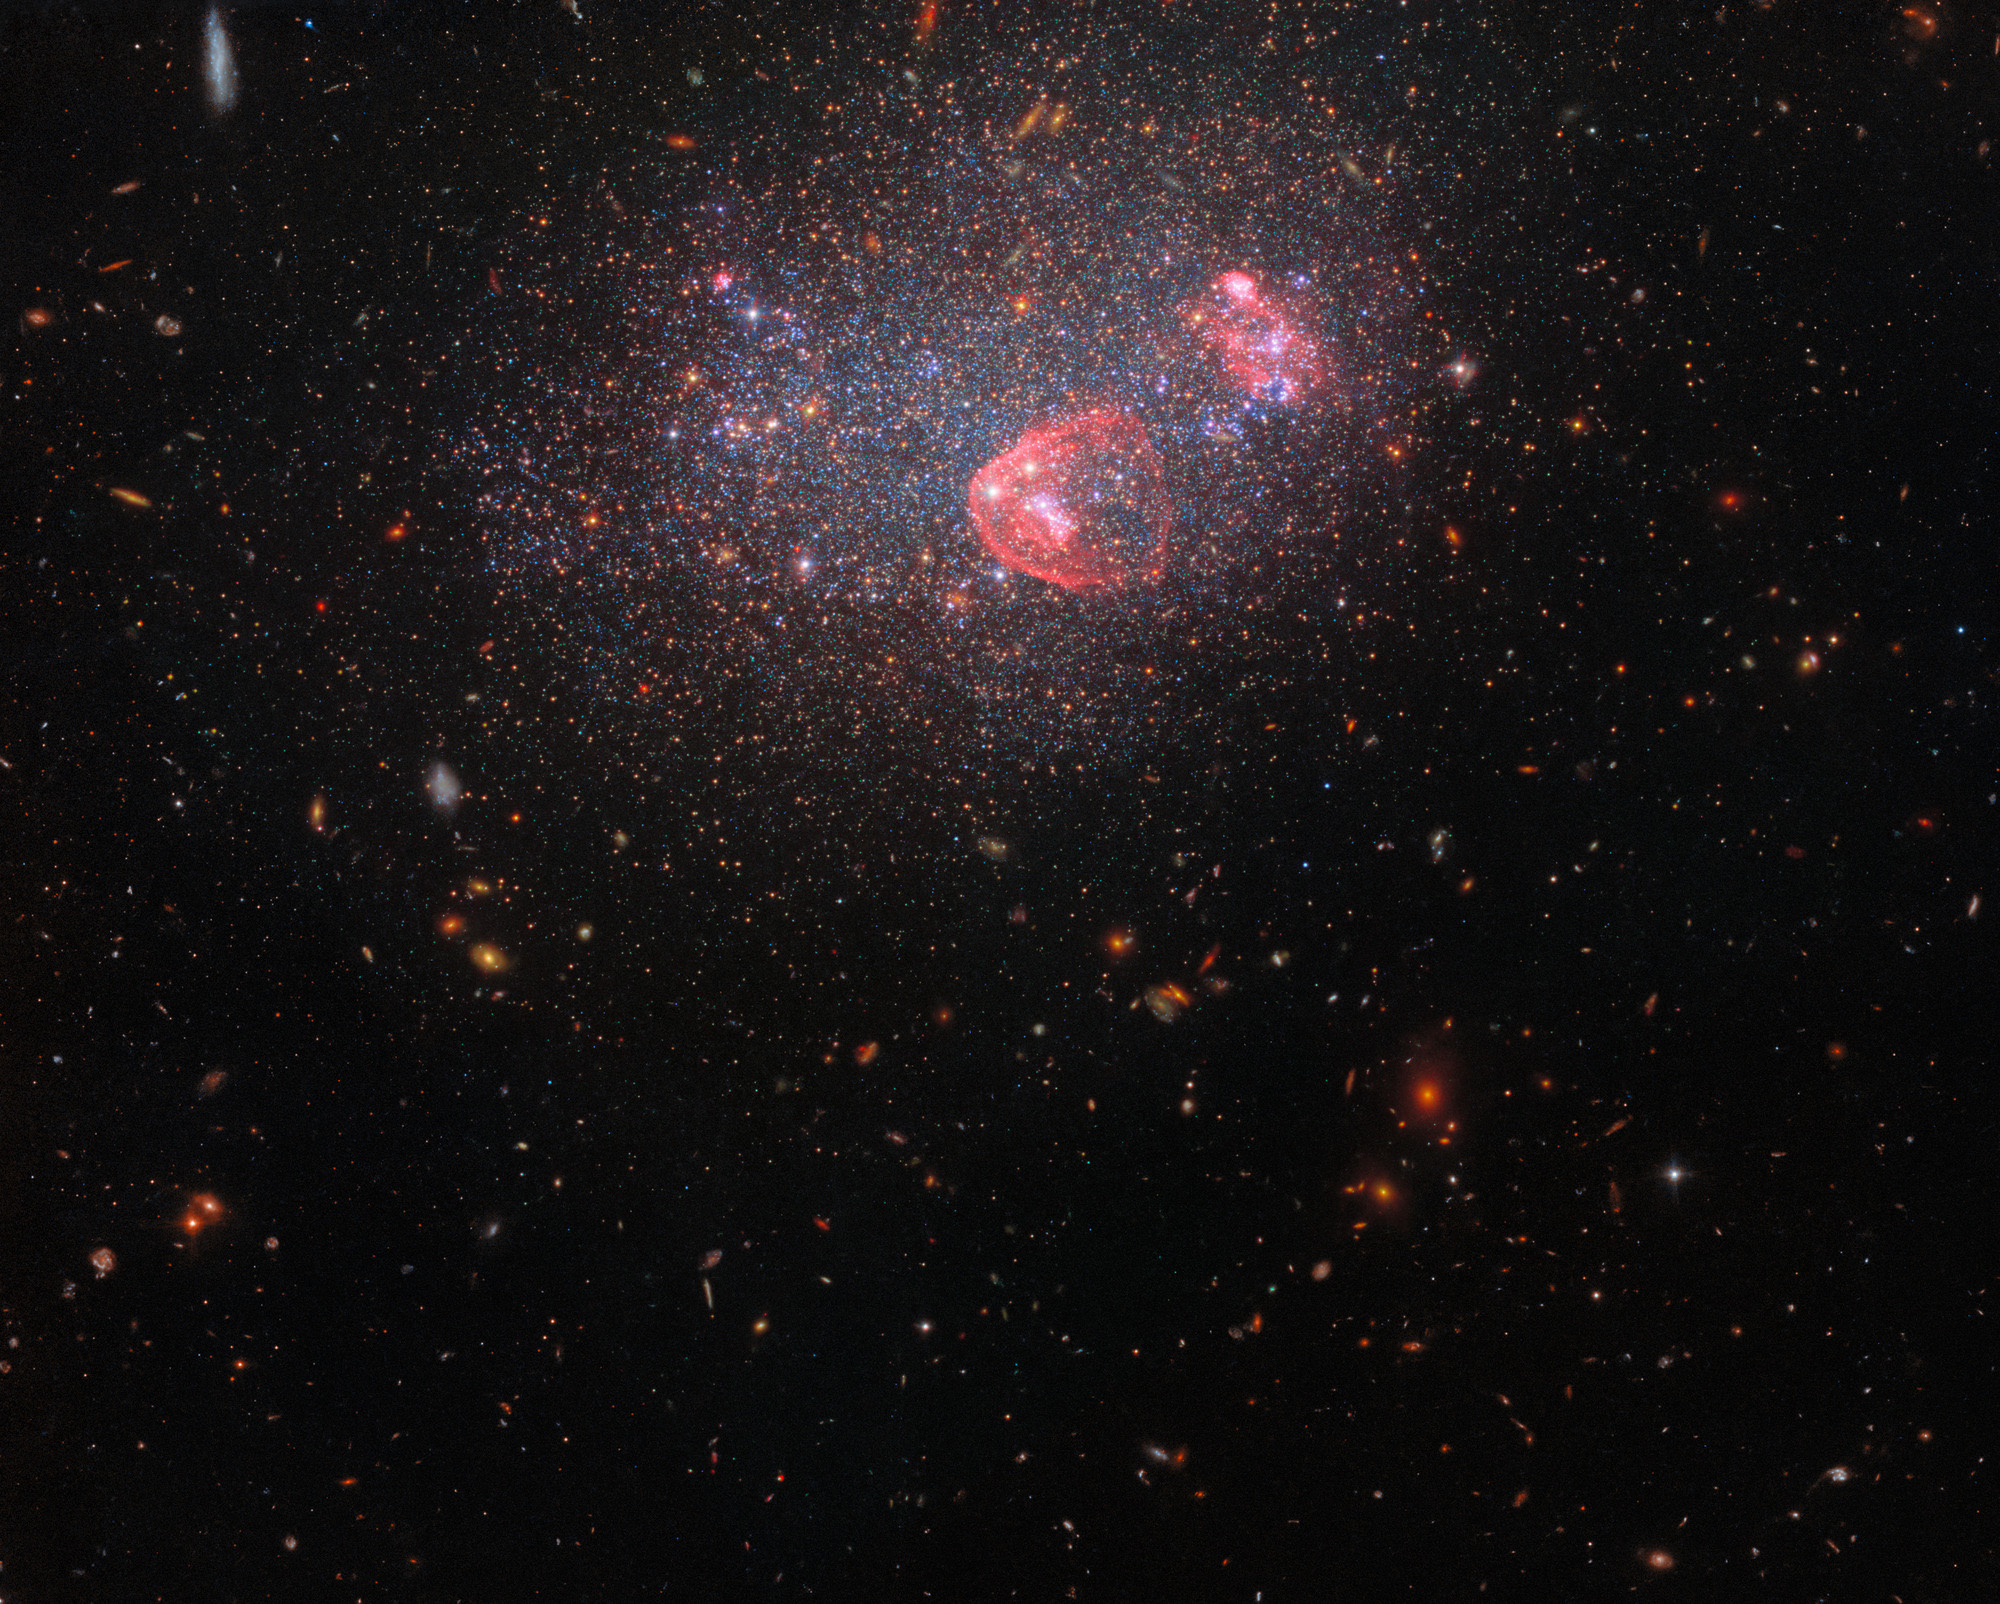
point(981, 801)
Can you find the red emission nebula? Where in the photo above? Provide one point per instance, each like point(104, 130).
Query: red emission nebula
point(1080, 502)
point(1257, 339)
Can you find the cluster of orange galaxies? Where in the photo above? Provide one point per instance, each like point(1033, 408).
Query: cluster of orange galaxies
point(203, 1210)
point(488, 957)
point(1167, 1000)
point(1422, 1097)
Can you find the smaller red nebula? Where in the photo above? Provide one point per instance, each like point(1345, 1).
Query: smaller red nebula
point(1259, 340)
point(1080, 502)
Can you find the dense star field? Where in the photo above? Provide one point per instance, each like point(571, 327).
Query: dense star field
point(727, 404)
point(975, 801)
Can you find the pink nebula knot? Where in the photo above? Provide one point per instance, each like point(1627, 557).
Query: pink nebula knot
point(1258, 338)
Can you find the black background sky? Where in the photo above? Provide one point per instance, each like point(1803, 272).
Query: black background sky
point(1644, 818)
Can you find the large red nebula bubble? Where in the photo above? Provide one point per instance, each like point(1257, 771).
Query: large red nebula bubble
point(1259, 340)
point(1080, 502)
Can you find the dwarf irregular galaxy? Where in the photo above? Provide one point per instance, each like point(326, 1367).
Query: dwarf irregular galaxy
point(966, 801)
point(729, 402)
